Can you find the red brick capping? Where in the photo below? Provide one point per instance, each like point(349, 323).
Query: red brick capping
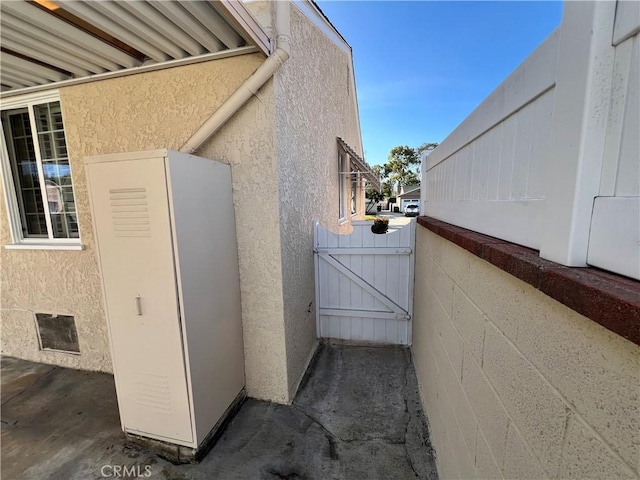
point(611, 300)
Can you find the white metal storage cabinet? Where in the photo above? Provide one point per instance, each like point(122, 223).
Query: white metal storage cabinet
point(165, 232)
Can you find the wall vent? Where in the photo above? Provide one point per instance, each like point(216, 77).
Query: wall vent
point(57, 332)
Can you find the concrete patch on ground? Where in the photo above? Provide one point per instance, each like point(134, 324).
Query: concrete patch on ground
point(356, 416)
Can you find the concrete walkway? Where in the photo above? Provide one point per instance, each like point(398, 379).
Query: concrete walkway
point(357, 416)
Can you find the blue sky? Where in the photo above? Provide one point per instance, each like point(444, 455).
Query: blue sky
point(422, 67)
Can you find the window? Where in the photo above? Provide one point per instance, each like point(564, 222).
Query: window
point(342, 184)
point(37, 174)
point(354, 192)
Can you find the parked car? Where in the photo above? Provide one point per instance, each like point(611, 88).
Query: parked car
point(412, 210)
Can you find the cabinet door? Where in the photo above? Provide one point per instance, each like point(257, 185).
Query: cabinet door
point(131, 211)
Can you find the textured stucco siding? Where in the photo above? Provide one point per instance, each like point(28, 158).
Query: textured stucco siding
point(145, 111)
point(247, 142)
point(283, 153)
point(52, 281)
point(515, 384)
point(315, 103)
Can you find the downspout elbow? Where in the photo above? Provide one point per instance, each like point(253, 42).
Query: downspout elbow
point(265, 71)
point(250, 86)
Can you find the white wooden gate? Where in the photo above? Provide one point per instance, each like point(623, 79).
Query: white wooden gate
point(364, 283)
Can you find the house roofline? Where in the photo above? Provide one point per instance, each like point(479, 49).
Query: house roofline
point(314, 13)
point(411, 191)
point(317, 7)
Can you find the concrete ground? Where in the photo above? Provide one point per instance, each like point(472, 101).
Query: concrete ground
point(398, 219)
point(395, 219)
point(356, 416)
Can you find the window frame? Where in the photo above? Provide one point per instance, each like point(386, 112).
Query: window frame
point(343, 169)
point(354, 197)
point(11, 201)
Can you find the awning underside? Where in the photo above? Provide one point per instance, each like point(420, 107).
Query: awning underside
point(359, 165)
point(43, 41)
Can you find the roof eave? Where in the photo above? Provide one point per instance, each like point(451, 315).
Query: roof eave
point(241, 17)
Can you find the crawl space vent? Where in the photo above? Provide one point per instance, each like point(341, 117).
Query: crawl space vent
point(57, 332)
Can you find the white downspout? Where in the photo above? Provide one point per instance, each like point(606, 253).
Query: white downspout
point(252, 84)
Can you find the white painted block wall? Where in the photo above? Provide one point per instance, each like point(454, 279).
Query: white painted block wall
point(545, 160)
point(488, 175)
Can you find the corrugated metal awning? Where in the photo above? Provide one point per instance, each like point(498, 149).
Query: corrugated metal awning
point(359, 165)
point(46, 41)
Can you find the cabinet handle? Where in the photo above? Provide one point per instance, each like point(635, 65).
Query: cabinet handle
point(138, 305)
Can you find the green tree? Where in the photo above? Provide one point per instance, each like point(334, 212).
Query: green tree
point(403, 166)
point(402, 169)
point(373, 194)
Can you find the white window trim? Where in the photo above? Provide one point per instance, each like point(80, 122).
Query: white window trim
point(11, 202)
point(44, 246)
point(343, 166)
point(356, 193)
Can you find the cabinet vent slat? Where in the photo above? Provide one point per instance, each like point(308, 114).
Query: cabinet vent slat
point(152, 391)
point(129, 212)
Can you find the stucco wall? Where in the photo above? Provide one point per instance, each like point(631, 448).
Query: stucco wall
point(247, 142)
point(282, 149)
point(51, 281)
point(515, 384)
point(138, 112)
point(315, 103)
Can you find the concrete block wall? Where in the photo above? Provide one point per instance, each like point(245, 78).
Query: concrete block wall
point(514, 384)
